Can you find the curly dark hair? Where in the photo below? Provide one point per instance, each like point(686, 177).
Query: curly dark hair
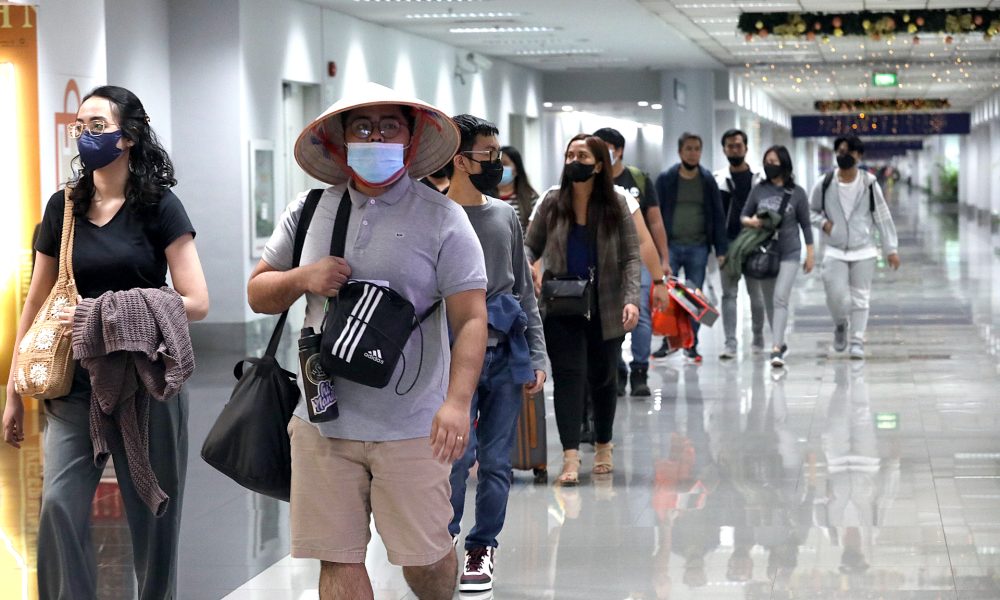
point(150, 171)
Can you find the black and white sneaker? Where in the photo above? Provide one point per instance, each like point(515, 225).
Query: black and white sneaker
point(778, 356)
point(664, 350)
point(477, 576)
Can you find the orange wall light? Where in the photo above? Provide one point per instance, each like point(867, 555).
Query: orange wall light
point(19, 164)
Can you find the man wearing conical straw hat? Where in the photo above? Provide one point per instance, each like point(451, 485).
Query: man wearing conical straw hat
point(388, 454)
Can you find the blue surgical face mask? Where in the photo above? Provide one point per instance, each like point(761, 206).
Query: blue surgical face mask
point(375, 163)
point(99, 151)
point(508, 176)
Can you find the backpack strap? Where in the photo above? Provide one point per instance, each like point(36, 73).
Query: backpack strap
point(639, 177)
point(827, 180)
point(301, 228)
point(871, 199)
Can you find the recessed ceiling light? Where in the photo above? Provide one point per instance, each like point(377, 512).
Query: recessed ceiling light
point(566, 52)
point(547, 104)
point(531, 29)
point(468, 15)
point(656, 106)
point(567, 108)
point(642, 103)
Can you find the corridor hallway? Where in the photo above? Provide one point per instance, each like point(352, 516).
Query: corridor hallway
point(835, 479)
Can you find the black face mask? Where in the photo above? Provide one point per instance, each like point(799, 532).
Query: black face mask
point(845, 161)
point(439, 174)
point(689, 167)
point(772, 171)
point(579, 172)
point(735, 160)
point(489, 178)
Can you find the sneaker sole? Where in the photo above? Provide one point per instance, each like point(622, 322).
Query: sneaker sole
point(475, 587)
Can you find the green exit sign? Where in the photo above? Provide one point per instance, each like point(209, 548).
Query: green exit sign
point(886, 420)
point(885, 80)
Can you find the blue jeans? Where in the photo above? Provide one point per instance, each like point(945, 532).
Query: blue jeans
point(693, 260)
point(642, 335)
point(496, 406)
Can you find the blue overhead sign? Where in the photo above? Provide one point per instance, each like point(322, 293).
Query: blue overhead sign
point(919, 124)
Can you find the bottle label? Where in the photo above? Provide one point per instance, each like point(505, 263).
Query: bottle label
point(314, 372)
point(324, 399)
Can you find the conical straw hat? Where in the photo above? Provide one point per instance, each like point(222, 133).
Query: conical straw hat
point(320, 147)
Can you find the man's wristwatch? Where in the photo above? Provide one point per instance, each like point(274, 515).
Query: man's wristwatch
point(661, 281)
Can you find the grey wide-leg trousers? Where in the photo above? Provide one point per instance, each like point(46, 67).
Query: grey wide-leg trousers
point(67, 564)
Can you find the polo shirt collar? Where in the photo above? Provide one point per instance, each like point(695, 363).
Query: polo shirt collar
point(391, 196)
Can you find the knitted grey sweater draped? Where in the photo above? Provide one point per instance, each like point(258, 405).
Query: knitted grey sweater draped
point(135, 344)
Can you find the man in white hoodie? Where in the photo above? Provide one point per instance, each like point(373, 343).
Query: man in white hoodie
point(848, 214)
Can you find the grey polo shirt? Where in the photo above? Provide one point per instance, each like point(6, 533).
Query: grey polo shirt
point(422, 245)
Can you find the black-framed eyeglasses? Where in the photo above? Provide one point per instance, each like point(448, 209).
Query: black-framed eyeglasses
point(492, 155)
point(96, 128)
point(388, 128)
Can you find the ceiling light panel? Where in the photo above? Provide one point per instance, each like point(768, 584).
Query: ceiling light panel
point(453, 16)
point(518, 29)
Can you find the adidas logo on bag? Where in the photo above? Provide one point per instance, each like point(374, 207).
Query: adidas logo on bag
point(375, 355)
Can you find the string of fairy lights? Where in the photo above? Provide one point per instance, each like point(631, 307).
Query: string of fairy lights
point(850, 63)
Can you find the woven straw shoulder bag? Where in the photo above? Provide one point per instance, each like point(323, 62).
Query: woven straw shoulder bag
point(45, 355)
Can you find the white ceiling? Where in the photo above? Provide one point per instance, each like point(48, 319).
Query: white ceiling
point(658, 34)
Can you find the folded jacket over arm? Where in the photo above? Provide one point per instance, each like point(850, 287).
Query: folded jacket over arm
point(135, 344)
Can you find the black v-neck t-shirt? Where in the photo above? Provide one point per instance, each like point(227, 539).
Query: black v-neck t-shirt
point(127, 252)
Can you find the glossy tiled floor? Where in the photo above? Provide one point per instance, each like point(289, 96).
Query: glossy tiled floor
point(832, 479)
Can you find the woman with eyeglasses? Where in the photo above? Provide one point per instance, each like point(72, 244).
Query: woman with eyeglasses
point(514, 186)
point(129, 231)
point(583, 230)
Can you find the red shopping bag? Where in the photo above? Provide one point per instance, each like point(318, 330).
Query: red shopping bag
point(674, 324)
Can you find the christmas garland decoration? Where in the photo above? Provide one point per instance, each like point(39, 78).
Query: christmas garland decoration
point(872, 24)
point(881, 105)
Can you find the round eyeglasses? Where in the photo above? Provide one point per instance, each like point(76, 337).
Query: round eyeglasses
point(96, 128)
point(388, 128)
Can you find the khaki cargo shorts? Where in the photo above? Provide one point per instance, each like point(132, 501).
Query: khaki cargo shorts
point(337, 485)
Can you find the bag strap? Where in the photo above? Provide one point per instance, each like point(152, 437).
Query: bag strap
point(871, 198)
point(308, 209)
point(781, 211)
point(66, 242)
point(338, 243)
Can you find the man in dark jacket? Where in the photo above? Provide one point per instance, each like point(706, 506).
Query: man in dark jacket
point(693, 217)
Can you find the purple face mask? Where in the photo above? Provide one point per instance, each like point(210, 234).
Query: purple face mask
point(97, 152)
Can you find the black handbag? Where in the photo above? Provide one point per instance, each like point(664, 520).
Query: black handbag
point(764, 262)
point(568, 296)
point(249, 441)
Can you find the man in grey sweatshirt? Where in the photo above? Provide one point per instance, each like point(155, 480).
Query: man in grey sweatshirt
point(848, 207)
point(515, 353)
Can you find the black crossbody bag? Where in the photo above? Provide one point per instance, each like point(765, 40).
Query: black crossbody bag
point(367, 325)
point(765, 261)
point(568, 296)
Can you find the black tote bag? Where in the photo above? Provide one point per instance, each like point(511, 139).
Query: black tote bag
point(249, 441)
